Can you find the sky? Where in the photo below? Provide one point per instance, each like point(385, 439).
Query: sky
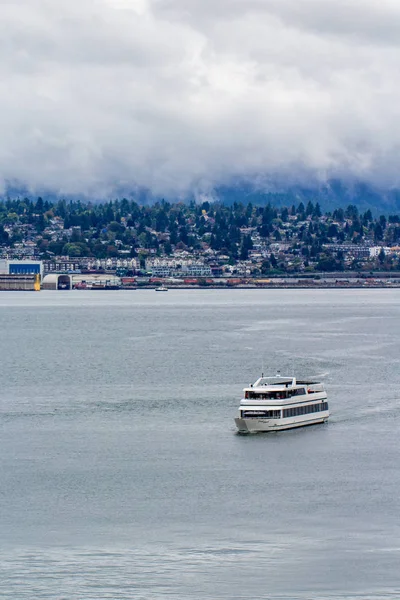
point(181, 96)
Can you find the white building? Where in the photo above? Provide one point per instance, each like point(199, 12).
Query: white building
point(185, 271)
point(374, 251)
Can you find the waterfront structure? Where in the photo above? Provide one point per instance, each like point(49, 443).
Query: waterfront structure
point(68, 264)
point(20, 283)
point(21, 267)
point(95, 282)
point(57, 281)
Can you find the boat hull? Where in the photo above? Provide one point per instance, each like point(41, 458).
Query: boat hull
point(267, 425)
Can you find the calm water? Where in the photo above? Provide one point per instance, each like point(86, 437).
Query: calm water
point(121, 475)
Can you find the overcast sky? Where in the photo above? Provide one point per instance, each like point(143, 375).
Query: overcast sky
point(179, 95)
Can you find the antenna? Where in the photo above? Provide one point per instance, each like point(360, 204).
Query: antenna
point(262, 367)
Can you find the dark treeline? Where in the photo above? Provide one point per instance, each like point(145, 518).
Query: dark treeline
point(101, 230)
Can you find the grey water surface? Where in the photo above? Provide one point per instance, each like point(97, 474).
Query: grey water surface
point(121, 475)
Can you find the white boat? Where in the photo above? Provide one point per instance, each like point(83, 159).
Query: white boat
point(161, 288)
point(275, 403)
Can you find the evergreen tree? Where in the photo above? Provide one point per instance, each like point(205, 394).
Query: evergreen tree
point(247, 245)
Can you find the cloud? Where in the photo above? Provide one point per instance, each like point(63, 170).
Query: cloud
point(184, 95)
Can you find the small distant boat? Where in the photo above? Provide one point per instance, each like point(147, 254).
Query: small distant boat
point(161, 288)
point(275, 403)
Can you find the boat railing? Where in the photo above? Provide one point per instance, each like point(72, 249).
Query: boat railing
point(273, 381)
point(315, 388)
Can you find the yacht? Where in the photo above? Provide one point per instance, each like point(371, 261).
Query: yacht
point(161, 288)
point(275, 403)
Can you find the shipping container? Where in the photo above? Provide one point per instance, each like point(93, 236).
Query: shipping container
point(234, 281)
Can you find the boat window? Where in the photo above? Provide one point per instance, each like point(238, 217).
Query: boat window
point(266, 395)
point(278, 395)
point(304, 410)
point(299, 392)
point(261, 414)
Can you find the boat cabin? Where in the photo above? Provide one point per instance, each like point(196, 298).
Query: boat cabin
point(280, 388)
point(273, 394)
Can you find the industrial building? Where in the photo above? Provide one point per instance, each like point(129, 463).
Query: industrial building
point(20, 283)
point(55, 281)
point(21, 267)
point(20, 275)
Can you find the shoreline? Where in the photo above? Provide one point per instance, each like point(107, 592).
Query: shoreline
point(271, 287)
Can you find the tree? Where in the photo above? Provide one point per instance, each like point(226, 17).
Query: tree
point(351, 211)
point(285, 215)
point(183, 235)
point(4, 237)
point(55, 247)
point(265, 266)
point(40, 225)
point(167, 247)
point(99, 250)
point(310, 208)
point(72, 250)
point(268, 215)
point(328, 263)
point(332, 231)
point(378, 232)
point(116, 227)
point(247, 245)
point(367, 217)
point(76, 236)
point(112, 251)
point(338, 215)
point(39, 206)
point(265, 230)
point(317, 211)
